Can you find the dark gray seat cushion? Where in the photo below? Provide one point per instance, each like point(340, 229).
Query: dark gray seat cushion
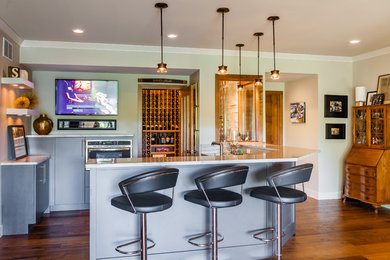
point(143, 202)
point(288, 195)
point(219, 198)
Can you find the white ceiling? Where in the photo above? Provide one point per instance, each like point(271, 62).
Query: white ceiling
point(306, 26)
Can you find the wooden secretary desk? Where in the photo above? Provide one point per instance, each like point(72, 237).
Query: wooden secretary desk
point(367, 165)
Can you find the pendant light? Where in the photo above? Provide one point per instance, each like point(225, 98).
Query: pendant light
point(161, 67)
point(258, 81)
point(240, 45)
point(222, 69)
point(275, 72)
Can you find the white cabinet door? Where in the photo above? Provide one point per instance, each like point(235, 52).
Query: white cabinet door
point(69, 173)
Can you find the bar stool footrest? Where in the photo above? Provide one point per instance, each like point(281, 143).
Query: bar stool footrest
point(133, 242)
point(266, 230)
point(191, 240)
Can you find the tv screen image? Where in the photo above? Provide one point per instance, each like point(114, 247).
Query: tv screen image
point(86, 97)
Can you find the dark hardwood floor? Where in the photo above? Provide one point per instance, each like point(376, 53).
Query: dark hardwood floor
point(324, 230)
point(59, 235)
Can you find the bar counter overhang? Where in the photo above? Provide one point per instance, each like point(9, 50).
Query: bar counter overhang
point(170, 229)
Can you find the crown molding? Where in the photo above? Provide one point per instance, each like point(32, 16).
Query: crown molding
point(371, 54)
point(175, 50)
point(10, 32)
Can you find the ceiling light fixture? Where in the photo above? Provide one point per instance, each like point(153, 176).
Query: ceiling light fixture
point(223, 69)
point(239, 45)
point(258, 81)
point(275, 72)
point(354, 41)
point(172, 36)
point(78, 31)
point(161, 67)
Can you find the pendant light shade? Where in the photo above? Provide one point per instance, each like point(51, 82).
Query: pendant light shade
point(258, 81)
point(161, 67)
point(239, 45)
point(274, 72)
point(223, 68)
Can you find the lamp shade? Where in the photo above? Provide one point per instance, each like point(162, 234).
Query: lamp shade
point(360, 94)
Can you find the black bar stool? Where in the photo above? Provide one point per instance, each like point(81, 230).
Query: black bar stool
point(140, 197)
point(211, 195)
point(279, 195)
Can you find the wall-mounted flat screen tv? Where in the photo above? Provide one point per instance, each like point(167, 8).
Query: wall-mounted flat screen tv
point(86, 97)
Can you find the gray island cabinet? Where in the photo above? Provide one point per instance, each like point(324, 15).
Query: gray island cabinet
point(24, 192)
point(170, 229)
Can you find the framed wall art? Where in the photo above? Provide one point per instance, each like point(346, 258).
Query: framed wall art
point(384, 87)
point(378, 99)
point(370, 96)
point(336, 106)
point(298, 112)
point(335, 131)
point(17, 145)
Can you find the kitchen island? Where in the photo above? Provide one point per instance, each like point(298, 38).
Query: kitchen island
point(170, 229)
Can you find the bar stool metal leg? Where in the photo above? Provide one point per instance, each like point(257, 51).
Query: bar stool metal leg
point(144, 246)
point(279, 230)
point(215, 233)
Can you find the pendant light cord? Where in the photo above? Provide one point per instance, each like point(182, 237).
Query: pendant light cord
point(273, 34)
point(223, 33)
point(240, 65)
point(161, 22)
point(258, 56)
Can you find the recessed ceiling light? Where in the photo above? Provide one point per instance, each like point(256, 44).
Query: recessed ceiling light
point(172, 36)
point(354, 41)
point(78, 30)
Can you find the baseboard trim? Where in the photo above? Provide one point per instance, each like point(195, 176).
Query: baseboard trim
point(322, 195)
point(311, 193)
point(66, 207)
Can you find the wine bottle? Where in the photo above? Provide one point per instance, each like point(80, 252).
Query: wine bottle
point(153, 141)
point(163, 140)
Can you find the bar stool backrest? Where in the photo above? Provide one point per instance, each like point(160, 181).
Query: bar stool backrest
point(150, 181)
point(291, 176)
point(222, 178)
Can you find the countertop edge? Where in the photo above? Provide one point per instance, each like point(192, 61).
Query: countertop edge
point(211, 162)
point(29, 160)
point(79, 135)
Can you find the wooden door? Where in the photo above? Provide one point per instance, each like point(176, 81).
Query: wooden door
point(274, 117)
point(188, 121)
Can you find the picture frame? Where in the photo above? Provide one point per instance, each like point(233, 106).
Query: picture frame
point(335, 131)
point(336, 106)
point(17, 144)
point(298, 112)
point(370, 96)
point(378, 99)
point(383, 87)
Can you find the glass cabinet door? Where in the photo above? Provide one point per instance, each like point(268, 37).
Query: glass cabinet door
point(360, 130)
point(377, 127)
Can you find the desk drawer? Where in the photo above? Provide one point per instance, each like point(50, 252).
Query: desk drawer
point(367, 181)
point(358, 187)
point(360, 170)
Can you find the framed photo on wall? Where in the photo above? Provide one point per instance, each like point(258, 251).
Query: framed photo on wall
point(370, 96)
point(17, 145)
point(384, 87)
point(335, 131)
point(298, 112)
point(336, 106)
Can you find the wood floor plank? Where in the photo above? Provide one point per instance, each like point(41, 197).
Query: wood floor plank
point(324, 230)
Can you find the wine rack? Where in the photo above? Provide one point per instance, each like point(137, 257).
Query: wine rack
point(160, 122)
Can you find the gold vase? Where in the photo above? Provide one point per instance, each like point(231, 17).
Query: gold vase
point(43, 125)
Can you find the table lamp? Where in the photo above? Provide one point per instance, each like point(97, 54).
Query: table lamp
point(360, 95)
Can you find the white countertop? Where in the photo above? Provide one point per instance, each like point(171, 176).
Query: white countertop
point(29, 160)
point(79, 135)
point(277, 154)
